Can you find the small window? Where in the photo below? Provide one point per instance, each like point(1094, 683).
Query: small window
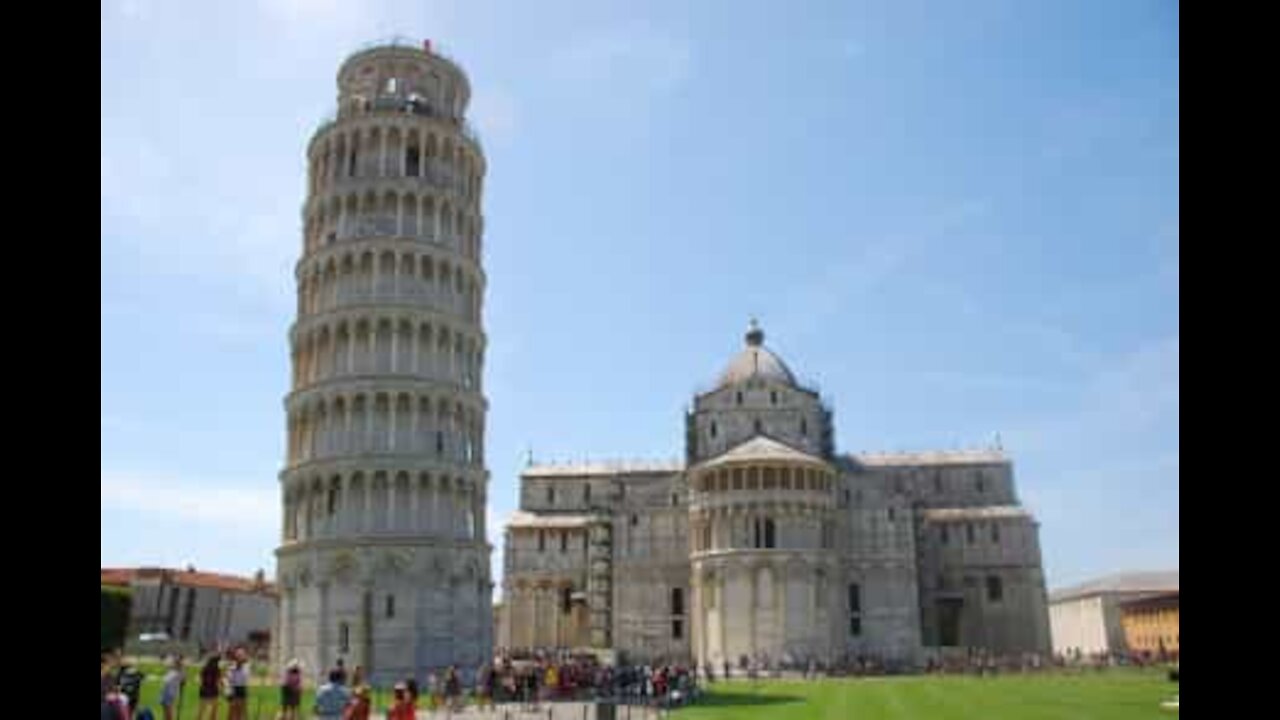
point(855, 625)
point(995, 533)
point(759, 426)
point(635, 520)
point(891, 515)
point(586, 494)
point(566, 600)
point(943, 535)
point(739, 398)
point(344, 638)
point(804, 427)
point(439, 442)
point(713, 428)
point(995, 589)
point(391, 606)
point(773, 397)
point(542, 541)
point(675, 500)
point(937, 482)
point(968, 532)
point(982, 483)
point(333, 500)
point(564, 542)
point(551, 496)
point(677, 601)
point(677, 629)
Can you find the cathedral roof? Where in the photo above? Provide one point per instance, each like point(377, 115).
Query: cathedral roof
point(985, 512)
point(603, 468)
point(1128, 582)
point(928, 458)
point(522, 519)
point(762, 447)
point(755, 361)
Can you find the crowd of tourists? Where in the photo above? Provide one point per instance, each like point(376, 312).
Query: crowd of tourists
point(531, 678)
point(219, 683)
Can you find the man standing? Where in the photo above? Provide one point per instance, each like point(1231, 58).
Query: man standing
point(332, 697)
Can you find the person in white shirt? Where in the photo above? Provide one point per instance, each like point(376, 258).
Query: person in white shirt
point(172, 689)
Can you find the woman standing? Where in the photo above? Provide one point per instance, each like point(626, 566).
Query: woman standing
point(172, 689)
point(291, 691)
point(238, 680)
point(210, 688)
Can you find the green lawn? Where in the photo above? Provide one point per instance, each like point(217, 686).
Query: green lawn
point(1114, 695)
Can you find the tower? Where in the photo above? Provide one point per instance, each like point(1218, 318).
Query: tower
point(383, 560)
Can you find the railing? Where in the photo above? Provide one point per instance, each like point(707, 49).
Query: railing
point(406, 108)
point(403, 41)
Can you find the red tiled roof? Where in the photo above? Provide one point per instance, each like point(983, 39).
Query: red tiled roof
point(186, 578)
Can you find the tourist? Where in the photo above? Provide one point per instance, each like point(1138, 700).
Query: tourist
point(433, 690)
point(115, 704)
point(129, 682)
point(210, 688)
point(238, 682)
point(172, 688)
point(401, 708)
point(452, 688)
point(332, 697)
point(342, 672)
point(484, 686)
point(291, 691)
point(360, 705)
point(411, 687)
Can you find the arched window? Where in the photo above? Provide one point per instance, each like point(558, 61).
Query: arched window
point(770, 539)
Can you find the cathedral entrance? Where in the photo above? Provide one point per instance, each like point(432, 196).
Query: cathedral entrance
point(949, 612)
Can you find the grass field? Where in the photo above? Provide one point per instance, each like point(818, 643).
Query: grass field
point(1114, 695)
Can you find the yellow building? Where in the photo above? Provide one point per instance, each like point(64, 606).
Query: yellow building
point(1151, 624)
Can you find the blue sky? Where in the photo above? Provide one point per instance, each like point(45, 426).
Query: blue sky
point(955, 218)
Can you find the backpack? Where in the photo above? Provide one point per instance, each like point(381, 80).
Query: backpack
point(144, 714)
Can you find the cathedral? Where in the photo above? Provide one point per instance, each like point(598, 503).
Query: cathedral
point(766, 544)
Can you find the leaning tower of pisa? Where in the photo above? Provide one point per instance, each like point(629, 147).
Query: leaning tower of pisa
point(383, 560)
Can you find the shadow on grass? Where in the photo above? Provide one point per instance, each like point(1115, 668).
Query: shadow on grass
point(744, 699)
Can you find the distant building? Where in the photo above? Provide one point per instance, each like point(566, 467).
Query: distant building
point(1151, 624)
point(196, 609)
point(1086, 618)
point(766, 543)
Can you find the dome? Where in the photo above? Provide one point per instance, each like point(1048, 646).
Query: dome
point(755, 361)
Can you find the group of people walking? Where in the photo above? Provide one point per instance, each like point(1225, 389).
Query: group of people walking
point(338, 699)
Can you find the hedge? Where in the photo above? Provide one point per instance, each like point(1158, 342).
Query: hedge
point(115, 617)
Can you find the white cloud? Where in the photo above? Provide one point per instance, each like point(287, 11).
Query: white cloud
point(224, 504)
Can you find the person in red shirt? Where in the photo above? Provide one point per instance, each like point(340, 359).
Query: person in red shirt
point(401, 708)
